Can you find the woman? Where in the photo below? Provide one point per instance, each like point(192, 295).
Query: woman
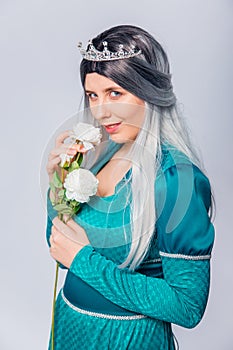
point(145, 263)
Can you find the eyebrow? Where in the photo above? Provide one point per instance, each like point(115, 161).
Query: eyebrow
point(106, 90)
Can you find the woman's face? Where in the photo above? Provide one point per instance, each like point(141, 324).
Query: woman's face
point(120, 112)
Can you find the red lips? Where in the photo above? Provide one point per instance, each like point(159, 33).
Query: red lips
point(111, 128)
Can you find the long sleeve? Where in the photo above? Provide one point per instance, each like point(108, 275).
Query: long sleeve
point(176, 298)
point(185, 241)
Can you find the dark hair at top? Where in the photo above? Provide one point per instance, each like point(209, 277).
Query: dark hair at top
point(147, 75)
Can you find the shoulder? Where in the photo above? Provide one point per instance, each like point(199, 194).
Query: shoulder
point(183, 200)
point(171, 156)
point(175, 165)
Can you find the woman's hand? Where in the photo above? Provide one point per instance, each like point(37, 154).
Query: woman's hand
point(66, 241)
point(61, 147)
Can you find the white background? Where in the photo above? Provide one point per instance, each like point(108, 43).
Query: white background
point(40, 88)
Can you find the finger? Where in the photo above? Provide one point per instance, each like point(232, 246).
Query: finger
point(79, 234)
point(60, 138)
point(79, 147)
point(68, 149)
point(72, 224)
point(64, 148)
point(52, 252)
point(53, 236)
point(62, 227)
point(73, 231)
point(52, 164)
point(57, 237)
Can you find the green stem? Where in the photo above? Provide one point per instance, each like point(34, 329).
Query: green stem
point(54, 304)
point(79, 153)
point(62, 174)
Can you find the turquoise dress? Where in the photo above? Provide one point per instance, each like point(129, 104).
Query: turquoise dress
point(104, 307)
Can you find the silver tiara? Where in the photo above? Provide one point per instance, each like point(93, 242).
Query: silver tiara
point(92, 54)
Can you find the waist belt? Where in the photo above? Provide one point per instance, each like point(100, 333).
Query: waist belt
point(85, 299)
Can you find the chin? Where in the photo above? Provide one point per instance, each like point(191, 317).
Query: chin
point(119, 139)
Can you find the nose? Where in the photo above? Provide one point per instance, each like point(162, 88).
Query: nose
point(101, 111)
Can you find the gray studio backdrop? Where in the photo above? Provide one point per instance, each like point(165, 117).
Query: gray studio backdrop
point(40, 89)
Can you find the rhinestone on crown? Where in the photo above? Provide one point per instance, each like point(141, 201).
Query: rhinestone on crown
point(92, 54)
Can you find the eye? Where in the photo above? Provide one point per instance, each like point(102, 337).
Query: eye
point(115, 93)
point(92, 95)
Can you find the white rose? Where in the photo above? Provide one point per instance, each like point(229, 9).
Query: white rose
point(88, 134)
point(80, 184)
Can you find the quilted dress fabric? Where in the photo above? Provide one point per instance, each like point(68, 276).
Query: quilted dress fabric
point(170, 286)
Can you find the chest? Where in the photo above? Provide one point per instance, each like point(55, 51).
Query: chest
point(110, 175)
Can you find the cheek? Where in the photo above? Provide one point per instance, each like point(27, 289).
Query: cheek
point(131, 112)
point(131, 131)
point(134, 115)
point(119, 109)
point(93, 109)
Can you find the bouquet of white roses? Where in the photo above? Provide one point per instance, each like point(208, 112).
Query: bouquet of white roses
point(76, 187)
